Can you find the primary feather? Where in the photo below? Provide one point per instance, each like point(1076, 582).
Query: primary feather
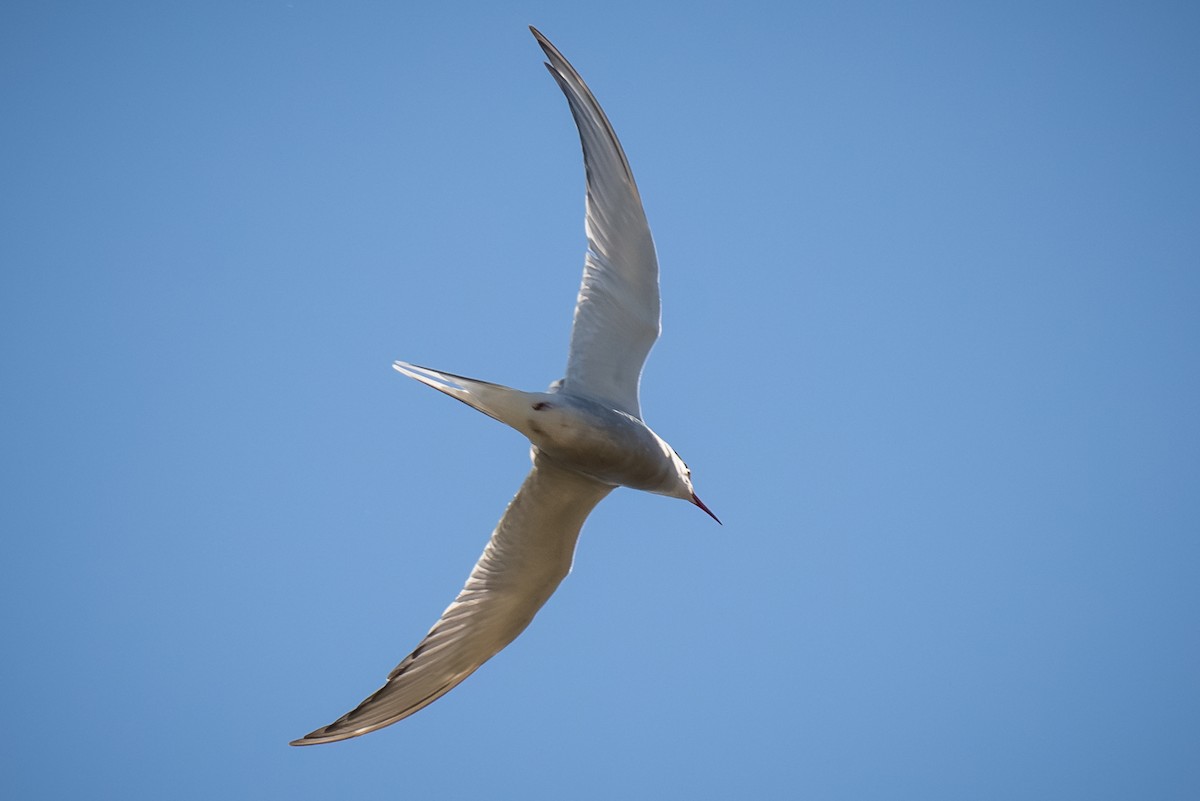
point(617, 316)
point(529, 553)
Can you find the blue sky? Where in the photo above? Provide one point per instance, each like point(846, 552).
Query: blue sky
point(931, 281)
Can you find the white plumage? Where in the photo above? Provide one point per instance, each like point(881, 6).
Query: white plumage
point(587, 434)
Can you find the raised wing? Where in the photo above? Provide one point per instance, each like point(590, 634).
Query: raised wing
point(529, 554)
point(617, 317)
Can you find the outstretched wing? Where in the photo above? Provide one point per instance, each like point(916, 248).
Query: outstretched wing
point(529, 554)
point(617, 317)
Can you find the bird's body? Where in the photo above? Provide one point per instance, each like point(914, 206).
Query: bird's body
point(586, 432)
point(574, 431)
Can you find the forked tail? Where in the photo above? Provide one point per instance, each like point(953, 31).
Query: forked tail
point(509, 406)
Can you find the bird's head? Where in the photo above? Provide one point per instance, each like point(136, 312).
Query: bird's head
point(683, 485)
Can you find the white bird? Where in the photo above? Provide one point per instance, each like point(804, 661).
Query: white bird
point(586, 432)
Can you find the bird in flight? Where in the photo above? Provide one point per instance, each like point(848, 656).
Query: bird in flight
point(586, 433)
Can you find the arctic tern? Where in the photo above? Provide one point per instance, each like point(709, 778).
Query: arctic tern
point(586, 433)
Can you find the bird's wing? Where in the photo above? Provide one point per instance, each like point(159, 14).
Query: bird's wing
point(529, 553)
point(617, 317)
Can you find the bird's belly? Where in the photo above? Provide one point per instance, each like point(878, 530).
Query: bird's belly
point(605, 444)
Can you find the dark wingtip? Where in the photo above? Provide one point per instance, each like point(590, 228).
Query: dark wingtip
point(546, 45)
point(315, 737)
point(323, 735)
